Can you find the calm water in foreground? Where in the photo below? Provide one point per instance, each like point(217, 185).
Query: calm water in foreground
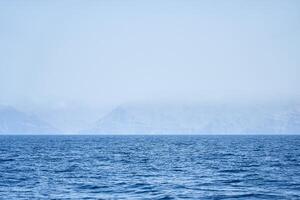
point(149, 167)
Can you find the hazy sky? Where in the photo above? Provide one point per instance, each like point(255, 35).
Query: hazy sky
point(111, 52)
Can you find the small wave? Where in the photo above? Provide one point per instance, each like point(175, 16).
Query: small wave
point(6, 160)
point(233, 171)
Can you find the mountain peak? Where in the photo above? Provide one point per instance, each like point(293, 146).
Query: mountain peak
point(13, 121)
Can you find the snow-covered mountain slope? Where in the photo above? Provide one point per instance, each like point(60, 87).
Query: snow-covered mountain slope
point(200, 119)
point(13, 121)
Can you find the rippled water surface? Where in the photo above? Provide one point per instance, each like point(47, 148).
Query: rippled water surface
point(149, 167)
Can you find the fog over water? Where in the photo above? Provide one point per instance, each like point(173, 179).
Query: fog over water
point(95, 55)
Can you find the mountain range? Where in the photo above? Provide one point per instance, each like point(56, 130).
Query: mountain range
point(200, 119)
point(170, 119)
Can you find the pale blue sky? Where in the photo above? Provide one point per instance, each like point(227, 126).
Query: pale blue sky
point(111, 52)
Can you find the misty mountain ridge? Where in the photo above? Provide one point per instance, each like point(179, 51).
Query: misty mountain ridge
point(13, 121)
point(200, 119)
point(168, 119)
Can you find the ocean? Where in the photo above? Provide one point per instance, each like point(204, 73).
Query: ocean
point(149, 167)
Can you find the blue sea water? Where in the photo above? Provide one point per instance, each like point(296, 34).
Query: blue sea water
point(149, 167)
